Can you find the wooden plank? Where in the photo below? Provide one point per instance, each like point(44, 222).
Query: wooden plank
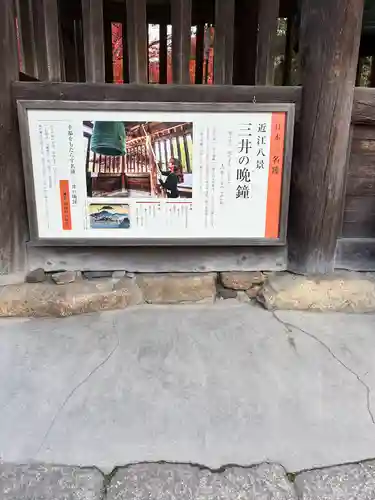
point(363, 147)
point(149, 93)
point(364, 132)
point(52, 32)
point(136, 24)
point(93, 36)
point(158, 259)
point(357, 186)
point(13, 223)
point(267, 31)
point(362, 166)
point(333, 29)
point(359, 229)
point(181, 40)
point(26, 27)
point(245, 42)
point(359, 204)
point(355, 254)
point(163, 54)
point(364, 106)
point(224, 42)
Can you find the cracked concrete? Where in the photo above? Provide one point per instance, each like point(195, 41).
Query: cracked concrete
point(209, 384)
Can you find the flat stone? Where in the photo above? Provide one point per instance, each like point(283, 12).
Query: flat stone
point(186, 482)
point(64, 277)
point(91, 275)
point(50, 482)
point(118, 274)
point(345, 292)
point(175, 288)
point(46, 299)
point(226, 293)
point(241, 280)
point(253, 292)
point(345, 482)
point(36, 276)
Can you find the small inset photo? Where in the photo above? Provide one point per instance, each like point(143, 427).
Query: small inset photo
point(109, 216)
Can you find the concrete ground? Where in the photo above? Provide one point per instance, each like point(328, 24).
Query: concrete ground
point(207, 384)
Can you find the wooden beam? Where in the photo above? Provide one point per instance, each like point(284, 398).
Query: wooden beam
point(163, 54)
point(93, 36)
point(137, 40)
point(150, 93)
point(13, 222)
point(267, 31)
point(224, 42)
point(329, 43)
point(181, 40)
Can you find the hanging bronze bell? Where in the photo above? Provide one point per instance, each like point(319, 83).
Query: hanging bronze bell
point(108, 138)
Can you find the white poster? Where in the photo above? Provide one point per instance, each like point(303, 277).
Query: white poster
point(157, 175)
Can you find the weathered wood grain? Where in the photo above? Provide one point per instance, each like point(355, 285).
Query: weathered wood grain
point(224, 42)
point(158, 259)
point(181, 40)
point(13, 221)
point(329, 43)
point(136, 27)
point(355, 254)
point(149, 93)
point(93, 36)
point(267, 32)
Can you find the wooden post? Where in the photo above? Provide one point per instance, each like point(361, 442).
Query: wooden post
point(181, 40)
point(26, 28)
point(199, 53)
point(267, 27)
point(93, 36)
point(108, 55)
point(13, 222)
point(47, 43)
point(136, 27)
point(329, 44)
point(224, 42)
point(163, 54)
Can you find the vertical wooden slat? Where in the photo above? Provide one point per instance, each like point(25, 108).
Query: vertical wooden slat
point(224, 42)
point(13, 223)
point(108, 51)
point(125, 53)
point(163, 53)
point(47, 44)
point(93, 36)
point(267, 31)
point(26, 28)
point(137, 40)
point(199, 54)
point(52, 30)
point(181, 40)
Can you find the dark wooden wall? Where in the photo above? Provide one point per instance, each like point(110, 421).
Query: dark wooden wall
point(243, 46)
point(359, 211)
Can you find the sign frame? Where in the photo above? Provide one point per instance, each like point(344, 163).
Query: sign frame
point(23, 106)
